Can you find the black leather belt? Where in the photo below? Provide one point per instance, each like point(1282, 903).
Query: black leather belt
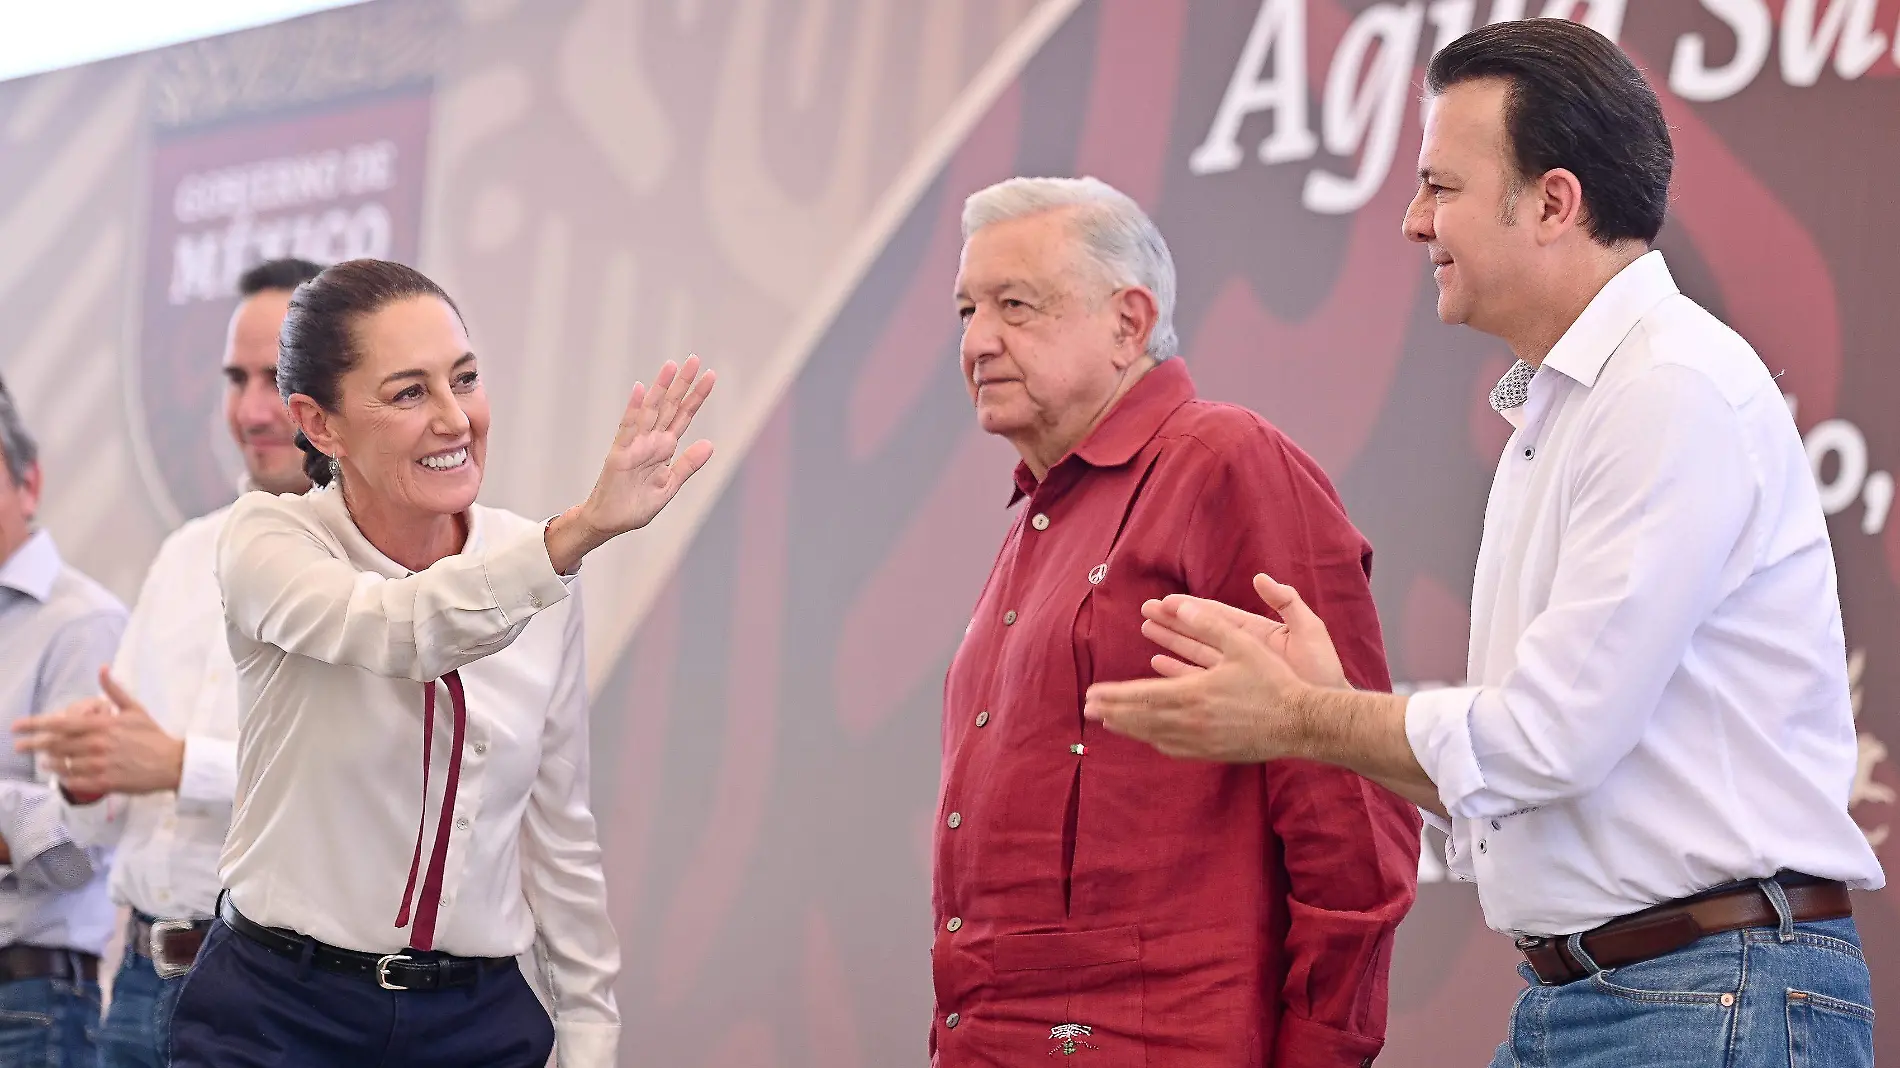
point(38, 962)
point(407, 970)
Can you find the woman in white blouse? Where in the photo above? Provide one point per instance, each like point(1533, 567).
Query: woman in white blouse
point(412, 808)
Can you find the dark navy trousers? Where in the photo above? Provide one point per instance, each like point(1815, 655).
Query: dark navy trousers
point(246, 1007)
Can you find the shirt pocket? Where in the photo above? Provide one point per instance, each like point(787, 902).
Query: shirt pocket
point(1080, 989)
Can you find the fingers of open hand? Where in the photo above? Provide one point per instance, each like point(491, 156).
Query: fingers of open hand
point(660, 401)
point(1169, 668)
point(85, 775)
point(1286, 601)
point(689, 462)
point(115, 693)
point(1182, 646)
point(690, 405)
point(682, 387)
point(629, 427)
point(1170, 608)
point(64, 731)
point(79, 746)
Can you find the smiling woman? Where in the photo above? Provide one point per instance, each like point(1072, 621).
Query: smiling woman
point(344, 607)
point(376, 368)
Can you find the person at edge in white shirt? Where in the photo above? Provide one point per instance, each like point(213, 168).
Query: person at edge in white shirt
point(149, 769)
point(411, 810)
point(1657, 722)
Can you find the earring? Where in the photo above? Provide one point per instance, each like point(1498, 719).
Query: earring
point(336, 470)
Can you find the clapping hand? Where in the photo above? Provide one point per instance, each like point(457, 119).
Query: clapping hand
point(1228, 688)
point(104, 745)
point(1302, 641)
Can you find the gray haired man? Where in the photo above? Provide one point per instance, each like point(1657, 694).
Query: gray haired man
point(56, 627)
point(1092, 896)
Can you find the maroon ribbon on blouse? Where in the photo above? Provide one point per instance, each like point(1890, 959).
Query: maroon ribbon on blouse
point(423, 935)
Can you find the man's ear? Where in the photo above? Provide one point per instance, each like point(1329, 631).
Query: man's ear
point(1136, 312)
point(29, 488)
point(1559, 204)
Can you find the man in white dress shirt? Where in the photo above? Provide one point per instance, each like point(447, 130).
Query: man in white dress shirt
point(56, 626)
point(1648, 774)
point(153, 769)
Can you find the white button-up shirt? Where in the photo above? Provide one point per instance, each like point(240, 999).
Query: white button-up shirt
point(176, 661)
point(332, 642)
point(1659, 697)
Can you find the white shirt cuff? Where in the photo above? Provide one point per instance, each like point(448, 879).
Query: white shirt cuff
point(210, 771)
point(1438, 725)
point(582, 1044)
point(523, 579)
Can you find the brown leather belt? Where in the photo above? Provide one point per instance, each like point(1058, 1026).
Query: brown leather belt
point(38, 962)
point(1672, 925)
point(171, 945)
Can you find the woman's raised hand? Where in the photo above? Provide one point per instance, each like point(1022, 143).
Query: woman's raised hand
point(644, 468)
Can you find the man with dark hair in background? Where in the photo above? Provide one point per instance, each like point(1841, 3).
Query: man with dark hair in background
point(1648, 772)
point(154, 773)
point(56, 626)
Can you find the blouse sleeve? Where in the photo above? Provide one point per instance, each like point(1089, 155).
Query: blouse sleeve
point(562, 878)
point(284, 586)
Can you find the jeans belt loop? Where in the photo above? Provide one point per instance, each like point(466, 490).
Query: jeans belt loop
point(1784, 912)
point(1582, 956)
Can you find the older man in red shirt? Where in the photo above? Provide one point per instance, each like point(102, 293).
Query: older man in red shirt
point(1094, 898)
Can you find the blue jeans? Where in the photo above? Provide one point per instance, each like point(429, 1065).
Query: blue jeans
point(1796, 996)
point(138, 1026)
point(50, 1022)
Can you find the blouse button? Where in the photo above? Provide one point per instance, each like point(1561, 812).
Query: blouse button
point(462, 823)
point(1529, 452)
point(955, 924)
point(1481, 847)
point(955, 820)
point(982, 719)
point(1496, 826)
point(1009, 617)
point(1040, 522)
point(481, 747)
point(950, 1021)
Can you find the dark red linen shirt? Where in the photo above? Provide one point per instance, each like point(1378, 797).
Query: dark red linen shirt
point(1184, 913)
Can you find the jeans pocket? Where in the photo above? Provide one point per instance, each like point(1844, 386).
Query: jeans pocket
point(1825, 1032)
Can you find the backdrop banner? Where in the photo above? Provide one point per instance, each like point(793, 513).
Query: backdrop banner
point(776, 185)
point(327, 182)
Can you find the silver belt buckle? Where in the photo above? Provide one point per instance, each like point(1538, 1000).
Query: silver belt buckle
point(382, 971)
point(163, 965)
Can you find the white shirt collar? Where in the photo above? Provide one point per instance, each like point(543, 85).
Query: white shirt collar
point(1616, 309)
point(33, 567)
